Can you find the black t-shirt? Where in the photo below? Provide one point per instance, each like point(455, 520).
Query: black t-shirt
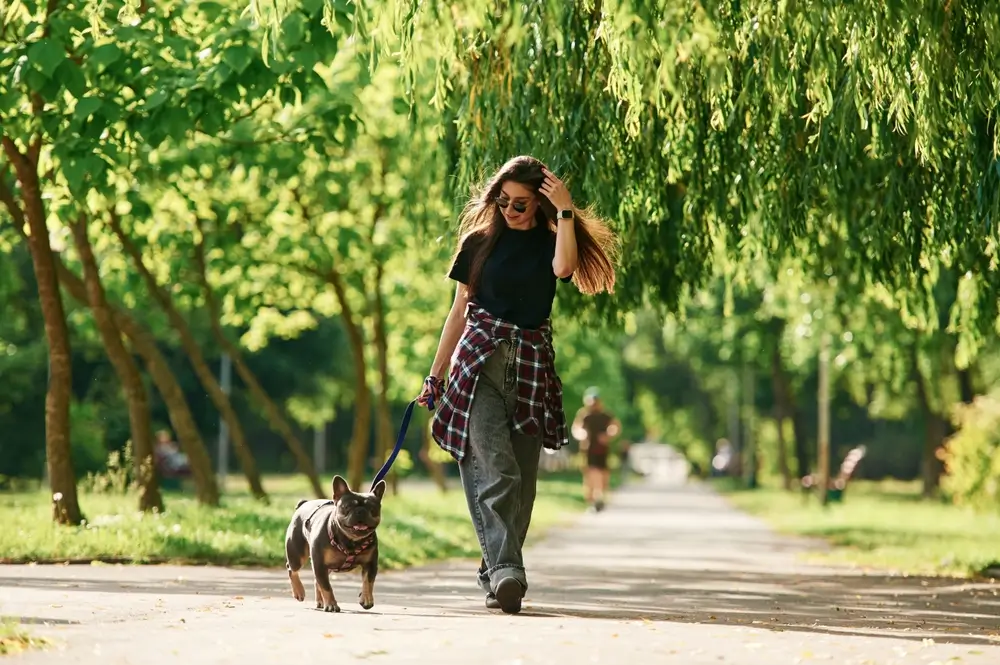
point(517, 283)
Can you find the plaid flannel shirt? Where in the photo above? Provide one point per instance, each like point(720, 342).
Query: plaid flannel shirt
point(539, 390)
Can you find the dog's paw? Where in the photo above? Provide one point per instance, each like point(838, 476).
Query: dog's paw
point(331, 608)
point(298, 590)
point(366, 601)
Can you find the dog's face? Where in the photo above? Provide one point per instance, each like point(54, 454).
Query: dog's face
point(357, 514)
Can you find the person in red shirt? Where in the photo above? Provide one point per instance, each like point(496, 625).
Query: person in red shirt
point(519, 237)
point(594, 428)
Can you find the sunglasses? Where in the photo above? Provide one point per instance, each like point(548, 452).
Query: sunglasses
point(518, 207)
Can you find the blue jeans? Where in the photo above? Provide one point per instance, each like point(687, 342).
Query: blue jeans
point(499, 472)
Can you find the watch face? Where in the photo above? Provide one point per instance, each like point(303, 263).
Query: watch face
point(565, 214)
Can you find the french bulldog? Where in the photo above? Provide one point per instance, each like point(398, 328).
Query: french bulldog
point(336, 536)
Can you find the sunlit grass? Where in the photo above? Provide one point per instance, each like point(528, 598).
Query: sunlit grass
point(419, 525)
point(15, 639)
point(881, 525)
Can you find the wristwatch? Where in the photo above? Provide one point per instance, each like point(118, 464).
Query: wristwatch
point(564, 214)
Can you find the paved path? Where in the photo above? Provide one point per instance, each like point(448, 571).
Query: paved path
point(668, 575)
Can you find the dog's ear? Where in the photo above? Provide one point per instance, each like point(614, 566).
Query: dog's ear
point(379, 489)
point(340, 488)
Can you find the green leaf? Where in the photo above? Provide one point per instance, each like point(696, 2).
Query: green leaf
point(213, 121)
point(344, 20)
point(103, 56)
point(156, 99)
point(75, 171)
point(312, 7)
point(306, 57)
point(238, 57)
point(173, 122)
point(293, 29)
point(86, 108)
point(221, 74)
point(47, 54)
point(9, 100)
point(72, 78)
point(212, 10)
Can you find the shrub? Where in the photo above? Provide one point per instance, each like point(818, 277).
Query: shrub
point(972, 455)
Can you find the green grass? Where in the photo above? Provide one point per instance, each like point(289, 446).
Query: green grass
point(418, 526)
point(14, 639)
point(881, 526)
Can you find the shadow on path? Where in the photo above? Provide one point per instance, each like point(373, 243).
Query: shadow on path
point(678, 555)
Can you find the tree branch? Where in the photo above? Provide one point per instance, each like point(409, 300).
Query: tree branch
point(331, 276)
point(7, 197)
point(17, 159)
point(201, 271)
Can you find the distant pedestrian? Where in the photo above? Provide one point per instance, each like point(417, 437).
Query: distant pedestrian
point(594, 427)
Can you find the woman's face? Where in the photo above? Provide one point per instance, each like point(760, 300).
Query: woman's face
point(518, 204)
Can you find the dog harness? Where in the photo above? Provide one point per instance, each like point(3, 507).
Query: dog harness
point(350, 555)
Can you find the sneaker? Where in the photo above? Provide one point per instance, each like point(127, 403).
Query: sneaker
point(508, 596)
point(491, 601)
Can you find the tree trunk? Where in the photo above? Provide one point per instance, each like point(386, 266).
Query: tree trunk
point(823, 437)
point(125, 367)
point(935, 427)
point(779, 383)
point(197, 360)
point(382, 410)
point(62, 478)
point(206, 488)
point(358, 451)
point(275, 420)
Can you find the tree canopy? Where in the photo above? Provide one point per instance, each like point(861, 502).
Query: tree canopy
point(278, 182)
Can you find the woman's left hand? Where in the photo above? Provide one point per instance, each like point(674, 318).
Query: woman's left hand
point(556, 191)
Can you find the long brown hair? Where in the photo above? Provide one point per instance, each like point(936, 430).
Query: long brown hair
point(481, 222)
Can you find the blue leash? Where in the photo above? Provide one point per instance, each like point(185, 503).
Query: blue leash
point(405, 425)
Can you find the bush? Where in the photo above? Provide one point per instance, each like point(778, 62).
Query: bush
point(116, 477)
point(972, 456)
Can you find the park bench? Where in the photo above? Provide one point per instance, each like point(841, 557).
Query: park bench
point(838, 484)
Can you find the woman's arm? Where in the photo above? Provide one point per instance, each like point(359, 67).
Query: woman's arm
point(451, 333)
point(567, 257)
point(565, 262)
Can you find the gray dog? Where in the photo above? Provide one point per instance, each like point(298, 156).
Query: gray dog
point(337, 536)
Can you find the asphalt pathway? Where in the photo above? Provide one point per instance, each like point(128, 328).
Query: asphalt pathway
point(668, 573)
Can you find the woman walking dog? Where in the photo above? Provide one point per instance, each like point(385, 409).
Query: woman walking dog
point(518, 237)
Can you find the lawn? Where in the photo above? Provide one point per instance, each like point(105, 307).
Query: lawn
point(881, 525)
point(14, 639)
point(419, 525)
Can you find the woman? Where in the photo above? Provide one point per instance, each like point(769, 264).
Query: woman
point(503, 402)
